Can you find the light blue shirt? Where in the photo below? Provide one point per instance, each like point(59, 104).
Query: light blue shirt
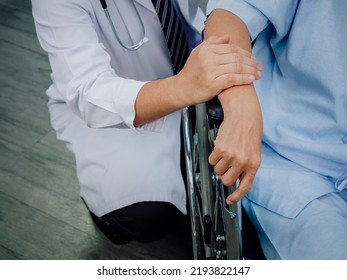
point(302, 46)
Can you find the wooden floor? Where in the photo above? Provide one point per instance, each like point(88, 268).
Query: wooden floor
point(41, 213)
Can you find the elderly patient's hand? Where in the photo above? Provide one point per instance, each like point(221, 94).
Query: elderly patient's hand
point(237, 151)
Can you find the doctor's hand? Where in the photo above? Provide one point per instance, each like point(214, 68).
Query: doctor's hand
point(237, 151)
point(214, 66)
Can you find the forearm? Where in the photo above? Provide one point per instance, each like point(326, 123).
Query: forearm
point(221, 22)
point(237, 147)
point(157, 99)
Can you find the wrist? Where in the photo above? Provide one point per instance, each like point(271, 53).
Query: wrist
point(179, 92)
point(232, 97)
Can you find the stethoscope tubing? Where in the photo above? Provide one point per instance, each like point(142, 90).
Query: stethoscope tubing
point(137, 45)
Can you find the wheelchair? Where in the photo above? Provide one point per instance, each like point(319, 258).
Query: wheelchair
point(216, 227)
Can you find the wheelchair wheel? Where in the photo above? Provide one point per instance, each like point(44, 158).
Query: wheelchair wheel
point(215, 226)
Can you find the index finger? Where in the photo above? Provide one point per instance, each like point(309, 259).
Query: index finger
point(214, 158)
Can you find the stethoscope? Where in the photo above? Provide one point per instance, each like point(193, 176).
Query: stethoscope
point(136, 46)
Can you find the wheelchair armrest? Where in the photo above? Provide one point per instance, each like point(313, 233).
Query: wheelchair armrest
point(214, 111)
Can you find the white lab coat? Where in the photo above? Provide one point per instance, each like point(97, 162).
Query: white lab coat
point(91, 100)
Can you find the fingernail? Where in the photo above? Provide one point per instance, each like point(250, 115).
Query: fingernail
point(251, 77)
point(260, 67)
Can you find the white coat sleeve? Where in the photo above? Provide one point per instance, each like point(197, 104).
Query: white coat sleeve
point(81, 67)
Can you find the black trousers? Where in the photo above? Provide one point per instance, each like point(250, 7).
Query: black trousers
point(143, 221)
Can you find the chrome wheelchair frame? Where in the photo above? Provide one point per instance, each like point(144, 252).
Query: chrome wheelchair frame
point(215, 226)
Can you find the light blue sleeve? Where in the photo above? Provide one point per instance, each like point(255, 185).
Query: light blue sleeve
point(258, 14)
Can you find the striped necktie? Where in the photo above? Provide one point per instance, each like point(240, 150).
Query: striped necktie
point(174, 33)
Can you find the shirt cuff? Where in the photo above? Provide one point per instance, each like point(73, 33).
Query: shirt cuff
point(126, 106)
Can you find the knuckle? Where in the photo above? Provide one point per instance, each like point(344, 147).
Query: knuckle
point(238, 67)
point(219, 149)
point(240, 160)
point(217, 171)
point(227, 181)
point(230, 79)
point(238, 57)
point(254, 162)
point(229, 154)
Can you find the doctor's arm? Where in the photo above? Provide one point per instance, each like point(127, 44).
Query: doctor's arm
point(86, 81)
point(237, 151)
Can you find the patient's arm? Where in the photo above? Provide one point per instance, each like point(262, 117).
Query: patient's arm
point(237, 149)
